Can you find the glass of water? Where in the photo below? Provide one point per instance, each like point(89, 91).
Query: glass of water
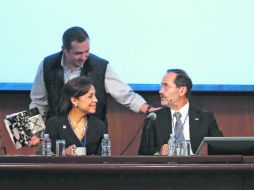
point(60, 147)
point(185, 148)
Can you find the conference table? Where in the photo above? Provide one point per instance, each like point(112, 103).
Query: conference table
point(127, 172)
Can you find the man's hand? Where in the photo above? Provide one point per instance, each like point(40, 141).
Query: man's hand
point(164, 150)
point(146, 108)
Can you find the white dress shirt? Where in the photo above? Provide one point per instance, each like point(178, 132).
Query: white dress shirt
point(185, 121)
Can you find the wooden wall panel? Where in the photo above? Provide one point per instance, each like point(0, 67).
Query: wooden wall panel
point(11, 102)
point(234, 113)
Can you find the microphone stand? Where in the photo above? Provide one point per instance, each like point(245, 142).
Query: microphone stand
point(148, 133)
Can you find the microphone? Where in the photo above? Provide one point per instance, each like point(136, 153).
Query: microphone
point(151, 116)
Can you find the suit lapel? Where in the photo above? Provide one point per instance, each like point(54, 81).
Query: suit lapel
point(194, 120)
point(170, 121)
point(164, 123)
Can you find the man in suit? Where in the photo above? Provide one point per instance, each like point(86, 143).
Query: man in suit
point(193, 124)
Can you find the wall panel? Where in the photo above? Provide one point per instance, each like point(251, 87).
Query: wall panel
point(234, 113)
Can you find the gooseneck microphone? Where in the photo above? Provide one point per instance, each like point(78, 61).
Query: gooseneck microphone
point(148, 120)
point(146, 125)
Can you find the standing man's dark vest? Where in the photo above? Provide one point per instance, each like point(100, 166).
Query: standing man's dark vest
point(94, 68)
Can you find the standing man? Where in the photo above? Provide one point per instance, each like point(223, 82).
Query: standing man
point(75, 60)
point(178, 116)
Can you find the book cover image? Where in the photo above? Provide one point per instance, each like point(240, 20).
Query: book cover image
point(22, 126)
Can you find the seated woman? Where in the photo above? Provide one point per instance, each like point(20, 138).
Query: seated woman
point(74, 122)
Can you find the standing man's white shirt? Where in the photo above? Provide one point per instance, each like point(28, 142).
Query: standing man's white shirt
point(119, 90)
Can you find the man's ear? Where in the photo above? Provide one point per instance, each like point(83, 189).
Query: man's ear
point(183, 90)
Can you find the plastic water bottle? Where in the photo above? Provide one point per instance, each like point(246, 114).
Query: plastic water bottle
point(46, 145)
point(172, 145)
point(106, 146)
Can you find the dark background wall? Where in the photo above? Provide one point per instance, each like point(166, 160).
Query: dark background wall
point(234, 113)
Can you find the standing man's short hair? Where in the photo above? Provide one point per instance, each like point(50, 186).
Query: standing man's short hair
point(74, 34)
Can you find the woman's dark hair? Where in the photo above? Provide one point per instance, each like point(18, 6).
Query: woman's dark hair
point(73, 88)
point(74, 34)
point(182, 79)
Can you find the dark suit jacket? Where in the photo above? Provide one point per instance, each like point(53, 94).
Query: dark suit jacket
point(202, 124)
point(58, 127)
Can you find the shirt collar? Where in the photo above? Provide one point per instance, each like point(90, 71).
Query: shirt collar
point(184, 110)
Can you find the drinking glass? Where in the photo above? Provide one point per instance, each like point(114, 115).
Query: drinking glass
point(185, 148)
point(60, 147)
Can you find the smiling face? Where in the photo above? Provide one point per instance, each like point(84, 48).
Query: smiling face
point(77, 54)
point(172, 96)
point(87, 102)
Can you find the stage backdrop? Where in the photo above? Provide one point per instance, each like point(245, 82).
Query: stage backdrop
point(212, 39)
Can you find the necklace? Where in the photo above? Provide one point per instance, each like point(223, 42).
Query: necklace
point(79, 127)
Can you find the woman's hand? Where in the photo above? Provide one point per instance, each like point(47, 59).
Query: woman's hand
point(70, 151)
point(34, 141)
